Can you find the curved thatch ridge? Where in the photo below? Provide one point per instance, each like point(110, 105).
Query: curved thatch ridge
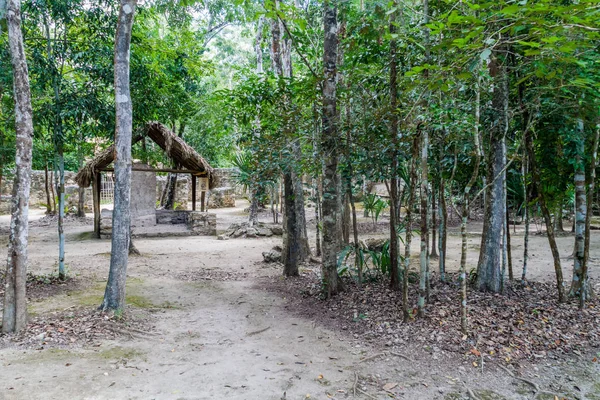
point(175, 147)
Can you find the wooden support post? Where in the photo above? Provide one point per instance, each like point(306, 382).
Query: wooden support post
point(203, 200)
point(193, 192)
point(96, 188)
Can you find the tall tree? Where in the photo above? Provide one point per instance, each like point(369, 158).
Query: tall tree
point(329, 148)
point(114, 295)
point(580, 212)
point(394, 269)
point(489, 266)
point(14, 317)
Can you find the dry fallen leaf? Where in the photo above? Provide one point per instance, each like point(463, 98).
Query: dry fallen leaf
point(476, 352)
point(389, 386)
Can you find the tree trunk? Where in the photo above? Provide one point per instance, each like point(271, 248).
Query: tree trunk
point(443, 231)
point(346, 218)
point(587, 292)
point(511, 273)
point(295, 241)
point(14, 317)
point(580, 215)
point(253, 214)
point(504, 222)
point(47, 184)
point(318, 218)
point(52, 191)
point(60, 189)
point(560, 285)
point(409, 221)
point(132, 251)
point(394, 268)
point(489, 265)
point(329, 138)
point(465, 212)
point(525, 217)
point(434, 222)
point(424, 281)
point(114, 295)
point(424, 256)
point(170, 190)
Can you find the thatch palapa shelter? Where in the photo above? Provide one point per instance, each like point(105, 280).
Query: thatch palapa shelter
point(176, 149)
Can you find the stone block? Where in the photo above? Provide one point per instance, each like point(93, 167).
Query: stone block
point(202, 223)
point(221, 197)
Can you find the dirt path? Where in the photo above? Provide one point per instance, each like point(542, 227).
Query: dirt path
point(227, 338)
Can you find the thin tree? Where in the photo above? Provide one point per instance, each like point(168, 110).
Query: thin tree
point(14, 317)
point(586, 292)
point(253, 214)
point(580, 214)
point(329, 149)
point(409, 221)
point(466, 210)
point(424, 256)
point(394, 269)
point(114, 295)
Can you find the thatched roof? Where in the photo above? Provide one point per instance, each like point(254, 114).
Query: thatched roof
point(175, 147)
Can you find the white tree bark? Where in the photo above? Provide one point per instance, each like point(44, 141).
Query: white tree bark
point(14, 316)
point(331, 217)
point(114, 295)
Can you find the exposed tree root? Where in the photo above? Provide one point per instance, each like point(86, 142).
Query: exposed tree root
point(534, 385)
point(259, 331)
point(372, 357)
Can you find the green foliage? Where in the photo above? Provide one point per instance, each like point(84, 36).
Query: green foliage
point(374, 205)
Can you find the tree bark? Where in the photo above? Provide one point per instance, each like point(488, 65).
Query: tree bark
point(60, 189)
point(114, 295)
point(489, 265)
point(466, 209)
point(424, 256)
point(14, 317)
point(434, 222)
point(295, 240)
point(587, 293)
point(394, 248)
point(47, 184)
point(254, 190)
point(443, 231)
point(409, 221)
point(329, 138)
point(580, 215)
point(525, 217)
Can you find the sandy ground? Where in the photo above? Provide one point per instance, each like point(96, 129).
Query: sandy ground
point(232, 340)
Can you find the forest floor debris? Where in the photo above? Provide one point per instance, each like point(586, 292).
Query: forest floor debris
point(44, 286)
point(208, 274)
point(76, 327)
point(525, 324)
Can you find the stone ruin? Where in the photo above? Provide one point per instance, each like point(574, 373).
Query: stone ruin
point(145, 217)
point(259, 229)
point(222, 196)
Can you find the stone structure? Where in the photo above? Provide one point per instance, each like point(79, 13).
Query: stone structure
point(143, 197)
point(222, 196)
point(197, 223)
point(37, 196)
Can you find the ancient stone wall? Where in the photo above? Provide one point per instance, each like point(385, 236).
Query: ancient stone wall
point(224, 195)
point(37, 196)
